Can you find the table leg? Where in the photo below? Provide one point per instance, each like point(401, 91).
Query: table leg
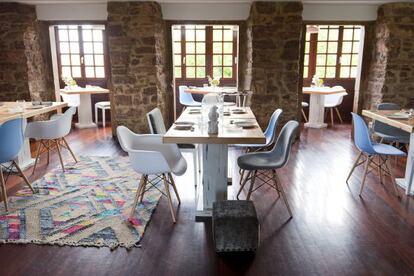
point(407, 181)
point(316, 111)
point(214, 184)
point(85, 112)
point(24, 159)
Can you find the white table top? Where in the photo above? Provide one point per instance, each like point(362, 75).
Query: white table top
point(325, 90)
point(86, 90)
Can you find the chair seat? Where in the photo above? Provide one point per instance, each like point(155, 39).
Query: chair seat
point(385, 149)
point(305, 104)
point(330, 105)
point(103, 104)
point(259, 161)
point(402, 137)
point(229, 104)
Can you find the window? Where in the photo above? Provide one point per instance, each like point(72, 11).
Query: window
point(332, 52)
point(201, 50)
point(81, 51)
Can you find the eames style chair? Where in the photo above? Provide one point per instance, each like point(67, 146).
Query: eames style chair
point(11, 137)
point(186, 99)
point(332, 101)
point(304, 104)
point(368, 150)
point(52, 134)
point(271, 160)
point(150, 156)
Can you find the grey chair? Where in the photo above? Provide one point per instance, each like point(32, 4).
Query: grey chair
point(387, 133)
point(157, 126)
point(270, 161)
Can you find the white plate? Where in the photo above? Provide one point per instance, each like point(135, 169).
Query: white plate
point(399, 116)
point(245, 124)
point(183, 123)
point(183, 127)
point(34, 107)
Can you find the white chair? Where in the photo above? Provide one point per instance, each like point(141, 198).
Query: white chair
point(150, 156)
point(157, 126)
point(332, 101)
point(71, 100)
point(52, 134)
point(304, 104)
point(104, 106)
point(186, 99)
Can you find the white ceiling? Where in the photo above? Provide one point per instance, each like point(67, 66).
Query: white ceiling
point(330, 2)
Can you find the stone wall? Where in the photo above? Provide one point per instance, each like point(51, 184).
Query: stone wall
point(274, 32)
point(391, 76)
point(139, 75)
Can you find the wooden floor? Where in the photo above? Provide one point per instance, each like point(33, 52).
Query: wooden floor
point(333, 230)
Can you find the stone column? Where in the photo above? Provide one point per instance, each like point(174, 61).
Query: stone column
point(140, 80)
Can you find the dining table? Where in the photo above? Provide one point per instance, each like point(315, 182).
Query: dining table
point(85, 119)
point(407, 125)
point(24, 110)
point(239, 126)
point(211, 89)
point(317, 104)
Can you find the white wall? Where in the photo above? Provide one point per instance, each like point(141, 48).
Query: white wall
point(212, 11)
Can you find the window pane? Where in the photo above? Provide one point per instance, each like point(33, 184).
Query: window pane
point(346, 60)
point(217, 47)
point(323, 34)
point(201, 60)
point(217, 60)
point(99, 60)
point(353, 72)
point(66, 71)
point(357, 34)
point(89, 72)
point(76, 72)
point(200, 35)
point(190, 47)
point(64, 60)
point(320, 59)
point(355, 47)
point(74, 47)
point(320, 72)
point(177, 59)
point(75, 59)
point(307, 36)
point(100, 72)
point(344, 72)
point(347, 47)
point(228, 60)
point(306, 60)
point(88, 47)
point(217, 72)
point(189, 35)
point(63, 35)
point(88, 60)
point(331, 60)
point(73, 35)
point(228, 47)
point(190, 60)
point(217, 35)
point(64, 47)
point(176, 34)
point(87, 35)
point(190, 72)
point(305, 71)
point(322, 47)
point(177, 48)
point(332, 47)
point(228, 35)
point(330, 72)
point(307, 47)
point(98, 47)
point(348, 34)
point(201, 47)
point(355, 60)
point(97, 36)
point(227, 72)
point(333, 34)
point(201, 72)
point(177, 72)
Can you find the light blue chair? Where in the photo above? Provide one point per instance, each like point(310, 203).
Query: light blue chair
point(388, 133)
point(11, 137)
point(187, 99)
point(369, 149)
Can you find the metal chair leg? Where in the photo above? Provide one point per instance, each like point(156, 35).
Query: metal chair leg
point(365, 174)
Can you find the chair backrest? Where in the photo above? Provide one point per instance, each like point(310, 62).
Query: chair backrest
point(156, 121)
point(185, 98)
point(270, 132)
point(11, 137)
point(71, 100)
point(334, 99)
point(384, 128)
point(284, 142)
point(362, 138)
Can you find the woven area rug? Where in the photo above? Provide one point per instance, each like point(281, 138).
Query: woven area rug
point(88, 205)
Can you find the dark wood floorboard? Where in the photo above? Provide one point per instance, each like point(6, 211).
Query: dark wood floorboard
point(333, 231)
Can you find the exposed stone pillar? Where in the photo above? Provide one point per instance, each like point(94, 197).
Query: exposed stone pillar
point(274, 35)
point(391, 76)
point(139, 77)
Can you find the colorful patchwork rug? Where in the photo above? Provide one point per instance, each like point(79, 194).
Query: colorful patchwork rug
point(87, 205)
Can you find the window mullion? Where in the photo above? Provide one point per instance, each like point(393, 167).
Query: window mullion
point(339, 52)
point(81, 53)
point(209, 51)
point(183, 54)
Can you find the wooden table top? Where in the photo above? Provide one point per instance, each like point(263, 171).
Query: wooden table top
point(229, 133)
point(381, 116)
point(86, 90)
point(7, 113)
point(209, 89)
point(325, 90)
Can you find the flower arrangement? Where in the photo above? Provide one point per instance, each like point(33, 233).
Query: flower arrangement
point(69, 81)
point(213, 81)
point(316, 81)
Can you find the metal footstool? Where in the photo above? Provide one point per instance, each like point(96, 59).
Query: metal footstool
point(235, 226)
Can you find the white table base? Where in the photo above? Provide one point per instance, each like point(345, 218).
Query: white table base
point(85, 112)
point(316, 111)
point(407, 181)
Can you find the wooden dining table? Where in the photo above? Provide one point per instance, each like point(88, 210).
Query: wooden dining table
point(405, 125)
point(9, 111)
point(209, 89)
point(215, 150)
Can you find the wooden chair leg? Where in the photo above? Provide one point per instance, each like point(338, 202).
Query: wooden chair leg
point(96, 115)
point(70, 150)
point(274, 182)
point(243, 184)
point(174, 187)
point(3, 190)
point(332, 118)
point(388, 166)
point(137, 195)
point(353, 167)
point(167, 191)
point(365, 174)
point(339, 115)
point(48, 151)
point(241, 176)
point(304, 115)
point(249, 193)
point(23, 176)
point(37, 156)
point(144, 186)
point(60, 154)
point(103, 117)
point(282, 191)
